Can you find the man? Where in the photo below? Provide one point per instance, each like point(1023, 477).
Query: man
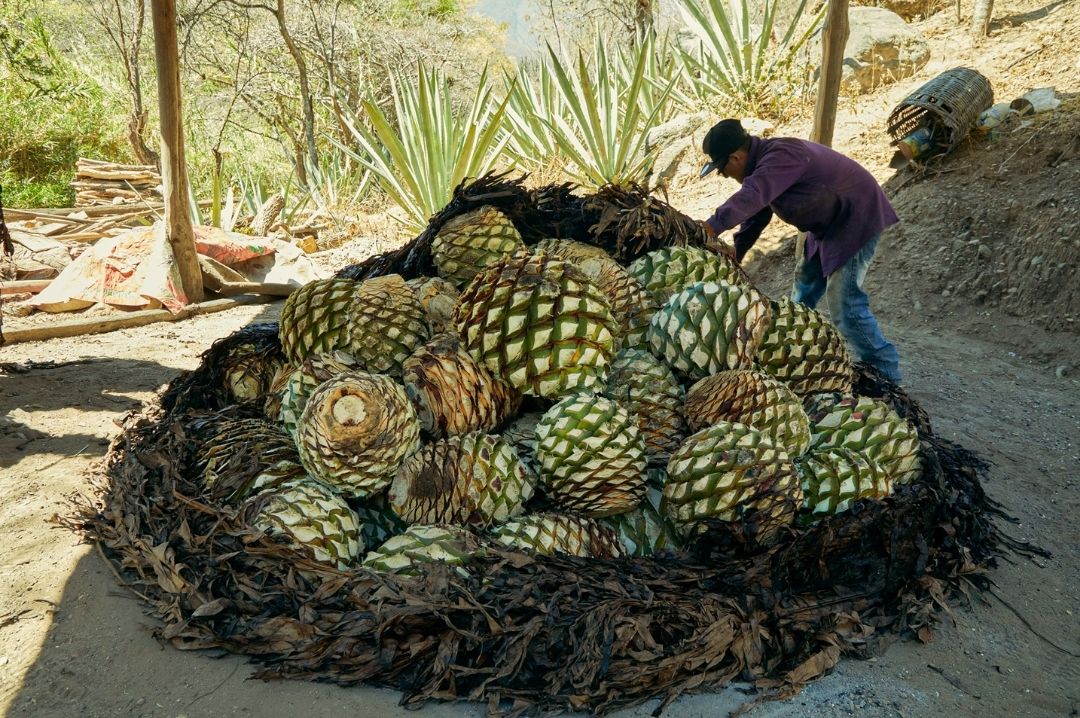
point(823, 193)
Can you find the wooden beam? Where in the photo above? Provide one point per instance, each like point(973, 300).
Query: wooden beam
point(22, 286)
point(141, 318)
point(178, 229)
point(834, 38)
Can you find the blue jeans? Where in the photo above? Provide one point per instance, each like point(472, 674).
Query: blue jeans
point(849, 307)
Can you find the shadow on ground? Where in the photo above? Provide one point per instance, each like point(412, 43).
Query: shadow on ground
point(31, 390)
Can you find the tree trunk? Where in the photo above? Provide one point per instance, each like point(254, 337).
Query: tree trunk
point(643, 18)
point(305, 89)
point(137, 121)
point(835, 36)
point(136, 127)
point(178, 229)
point(980, 17)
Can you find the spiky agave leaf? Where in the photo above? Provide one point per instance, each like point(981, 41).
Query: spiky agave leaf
point(473, 479)
point(709, 327)
point(539, 324)
point(355, 431)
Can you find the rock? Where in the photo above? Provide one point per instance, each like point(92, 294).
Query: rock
point(1061, 372)
point(37, 256)
point(677, 143)
point(881, 49)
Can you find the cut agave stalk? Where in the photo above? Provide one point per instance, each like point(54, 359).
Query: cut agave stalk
point(355, 431)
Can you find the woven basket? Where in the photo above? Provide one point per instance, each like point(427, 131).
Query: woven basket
point(950, 103)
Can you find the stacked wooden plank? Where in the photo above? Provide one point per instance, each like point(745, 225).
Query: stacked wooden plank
point(84, 224)
point(97, 182)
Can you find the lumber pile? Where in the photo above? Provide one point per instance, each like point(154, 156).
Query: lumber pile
point(98, 182)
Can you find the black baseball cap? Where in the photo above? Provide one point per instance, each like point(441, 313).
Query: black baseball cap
point(720, 141)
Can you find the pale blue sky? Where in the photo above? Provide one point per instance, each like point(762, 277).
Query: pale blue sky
point(519, 39)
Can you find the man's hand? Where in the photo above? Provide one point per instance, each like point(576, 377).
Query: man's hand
point(713, 243)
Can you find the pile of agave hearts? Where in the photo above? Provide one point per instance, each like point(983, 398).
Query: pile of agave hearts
point(788, 502)
point(403, 401)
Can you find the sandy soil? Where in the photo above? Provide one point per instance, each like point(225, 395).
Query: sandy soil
point(994, 375)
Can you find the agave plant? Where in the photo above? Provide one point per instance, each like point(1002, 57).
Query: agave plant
point(603, 130)
point(742, 61)
point(253, 194)
point(662, 88)
point(338, 183)
point(532, 98)
point(428, 149)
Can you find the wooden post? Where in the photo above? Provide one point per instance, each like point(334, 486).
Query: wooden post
point(178, 229)
point(980, 17)
point(834, 38)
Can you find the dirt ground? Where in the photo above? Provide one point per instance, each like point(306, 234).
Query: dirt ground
point(999, 372)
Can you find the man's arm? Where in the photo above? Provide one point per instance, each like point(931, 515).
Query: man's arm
point(749, 232)
point(775, 172)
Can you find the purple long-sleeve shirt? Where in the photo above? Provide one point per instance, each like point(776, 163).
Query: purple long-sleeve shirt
point(818, 190)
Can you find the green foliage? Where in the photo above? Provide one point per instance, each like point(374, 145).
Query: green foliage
point(533, 100)
point(661, 89)
point(21, 192)
point(751, 64)
point(52, 114)
point(339, 181)
point(428, 149)
point(607, 116)
point(425, 8)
